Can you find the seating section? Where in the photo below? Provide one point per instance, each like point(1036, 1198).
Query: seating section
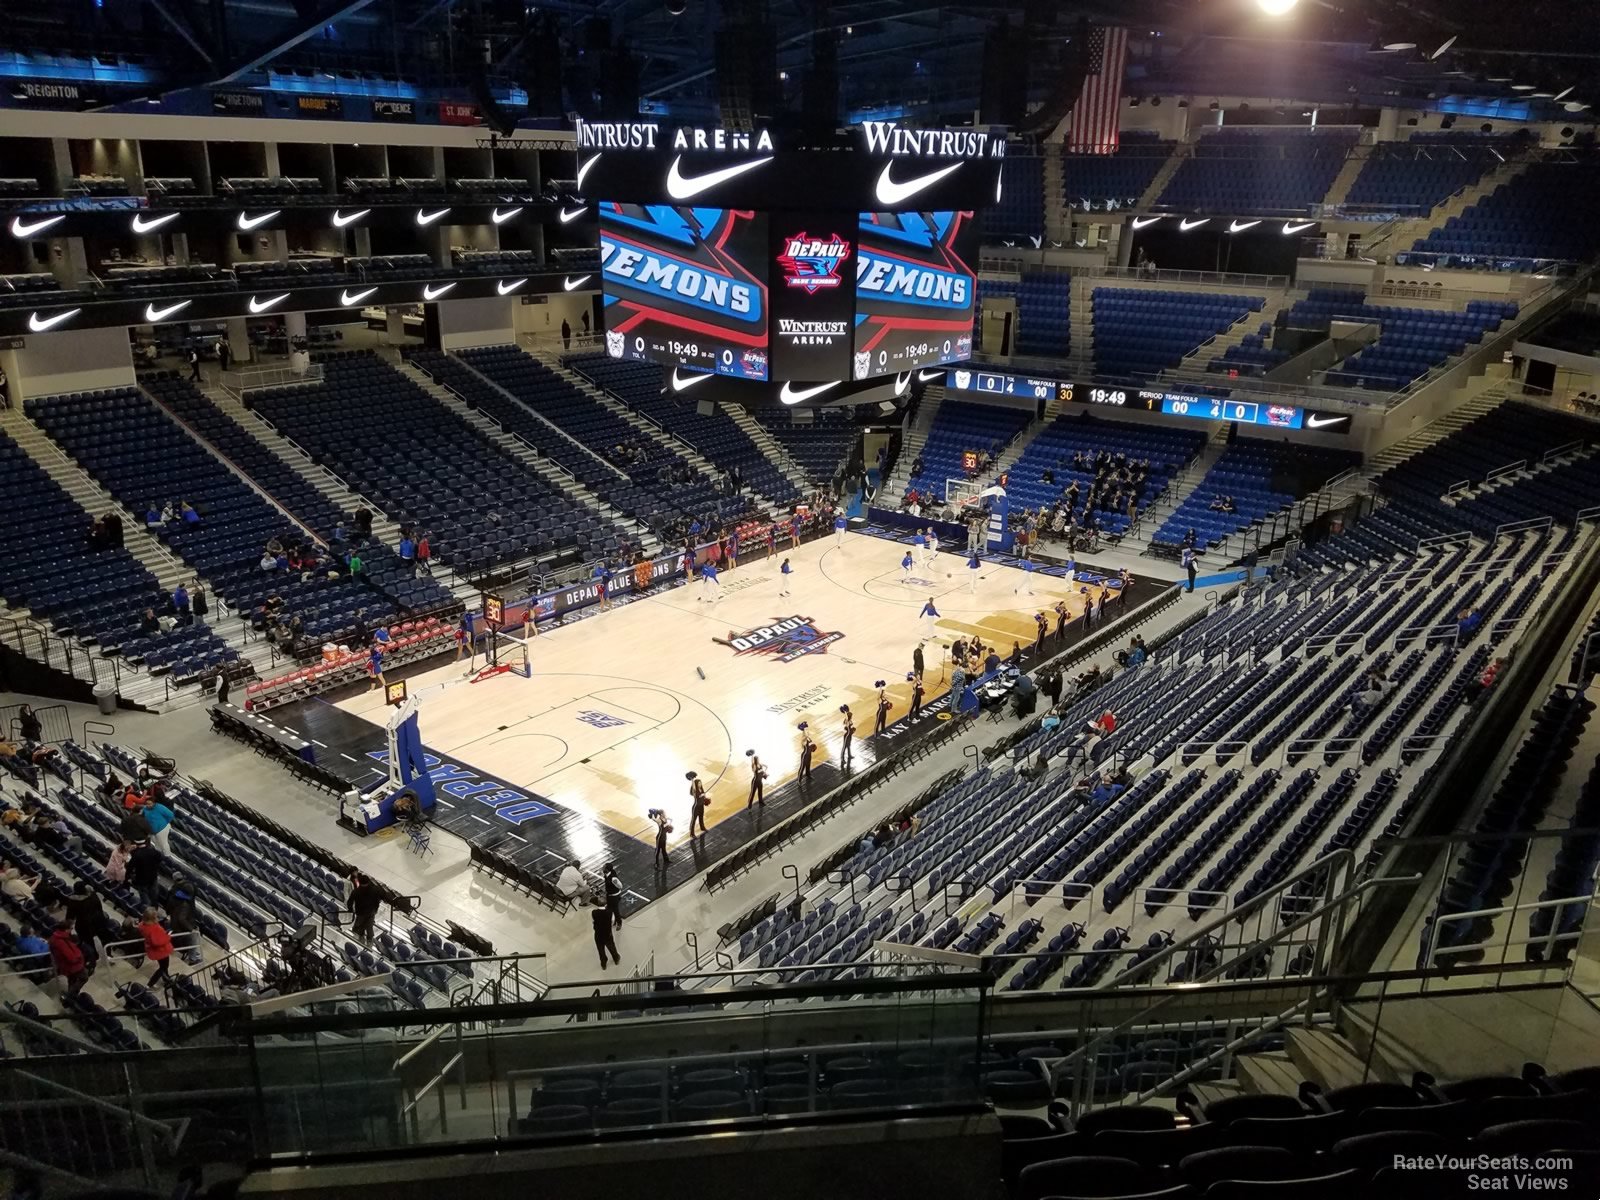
point(636, 474)
point(33, 289)
point(182, 280)
point(1166, 450)
point(1415, 340)
point(1418, 174)
point(1316, 1144)
point(1141, 332)
point(821, 447)
point(381, 566)
point(1106, 182)
point(95, 595)
point(1260, 478)
point(1522, 223)
point(1511, 434)
point(1245, 172)
point(146, 459)
point(716, 436)
point(1250, 356)
point(960, 427)
point(1044, 311)
point(409, 642)
point(1019, 215)
point(393, 442)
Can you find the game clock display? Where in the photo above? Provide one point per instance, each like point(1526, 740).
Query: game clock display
point(686, 287)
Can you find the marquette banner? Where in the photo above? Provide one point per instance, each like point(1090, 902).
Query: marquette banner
point(686, 287)
point(916, 278)
point(813, 289)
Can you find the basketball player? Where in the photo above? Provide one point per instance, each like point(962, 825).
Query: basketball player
point(710, 589)
point(1072, 572)
point(758, 776)
point(882, 720)
point(905, 568)
point(916, 693)
point(930, 618)
point(973, 567)
point(839, 526)
point(375, 666)
point(1025, 586)
point(807, 749)
point(919, 547)
point(849, 732)
point(697, 803)
point(933, 544)
point(787, 572)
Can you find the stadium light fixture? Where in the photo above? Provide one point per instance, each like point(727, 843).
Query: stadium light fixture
point(1276, 8)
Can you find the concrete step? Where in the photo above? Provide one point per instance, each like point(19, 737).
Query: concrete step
point(1269, 1073)
point(1331, 1060)
point(774, 450)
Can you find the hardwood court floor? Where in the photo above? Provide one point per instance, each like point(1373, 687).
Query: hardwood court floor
point(615, 713)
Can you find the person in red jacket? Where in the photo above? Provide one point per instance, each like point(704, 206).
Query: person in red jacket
point(67, 958)
point(157, 945)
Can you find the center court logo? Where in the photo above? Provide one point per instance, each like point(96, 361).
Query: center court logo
point(786, 639)
point(813, 263)
point(600, 720)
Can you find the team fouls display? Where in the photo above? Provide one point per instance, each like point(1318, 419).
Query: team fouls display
point(687, 287)
point(915, 285)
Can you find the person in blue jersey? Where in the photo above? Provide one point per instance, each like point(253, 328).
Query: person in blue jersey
point(1025, 584)
point(787, 573)
point(905, 568)
point(602, 584)
point(973, 568)
point(710, 588)
point(919, 547)
point(929, 617)
point(375, 666)
point(839, 524)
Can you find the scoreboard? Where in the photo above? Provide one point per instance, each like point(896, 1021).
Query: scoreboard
point(968, 378)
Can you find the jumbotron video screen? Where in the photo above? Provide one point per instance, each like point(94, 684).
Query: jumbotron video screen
point(916, 280)
point(686, 287)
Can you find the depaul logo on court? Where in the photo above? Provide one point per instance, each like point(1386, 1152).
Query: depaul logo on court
point(786, 639)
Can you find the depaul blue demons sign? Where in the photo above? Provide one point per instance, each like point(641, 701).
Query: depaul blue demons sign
point(786, 639)
point(462, 783)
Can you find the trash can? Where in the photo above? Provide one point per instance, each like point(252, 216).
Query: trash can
point(105, 698)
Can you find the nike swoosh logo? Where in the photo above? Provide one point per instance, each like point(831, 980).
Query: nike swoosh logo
point(143, 224)
point(683, 385)
point(685, 187)
point(261, 306)
point(1290, 227)
point(929, 376)
point(248, 223)
point(429, 218)
point(901, 382)
point(568, 218)
point(891, 193)
point(152, 313)
point(1142, 222)
point(1241, 226)
point(500, 218)
point(789, 394)
point(38, 326)
point(1314, 422)
point(429, 294)
point(346, 299)
point(21, 229)
point(340, 220)
point(505, 289)
point(583, 169)
point(568, 284)
point(1188, 225)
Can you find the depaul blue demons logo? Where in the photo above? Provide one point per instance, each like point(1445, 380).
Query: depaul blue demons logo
point(813, 263)
point(683, 266)
point(786, 639)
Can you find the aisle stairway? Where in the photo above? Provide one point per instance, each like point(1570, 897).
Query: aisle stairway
point(916, 437)
point(776, 454)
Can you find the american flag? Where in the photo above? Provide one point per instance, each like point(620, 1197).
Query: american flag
point(1099, 107)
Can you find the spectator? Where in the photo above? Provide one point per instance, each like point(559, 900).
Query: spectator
point(66, 956)
point(144, 871)
point(149, 625)
point(408, 551)
point(28, 725)
point(571, 883)
point(116, 868)
point(157, 946)
point(15, 885)
point(88, 915)
point(363, 903)
point(180, 605)
point(152, 516)
point(29, 942)
point(181, 919)
point(424, 555)
point(159, 817)
point(1484, 682)
point(135, 825)
point(188, 513)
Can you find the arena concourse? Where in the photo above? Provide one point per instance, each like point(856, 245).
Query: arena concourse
point(843, 599)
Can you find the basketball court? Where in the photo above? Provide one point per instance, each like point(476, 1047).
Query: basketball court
point(616, 710)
